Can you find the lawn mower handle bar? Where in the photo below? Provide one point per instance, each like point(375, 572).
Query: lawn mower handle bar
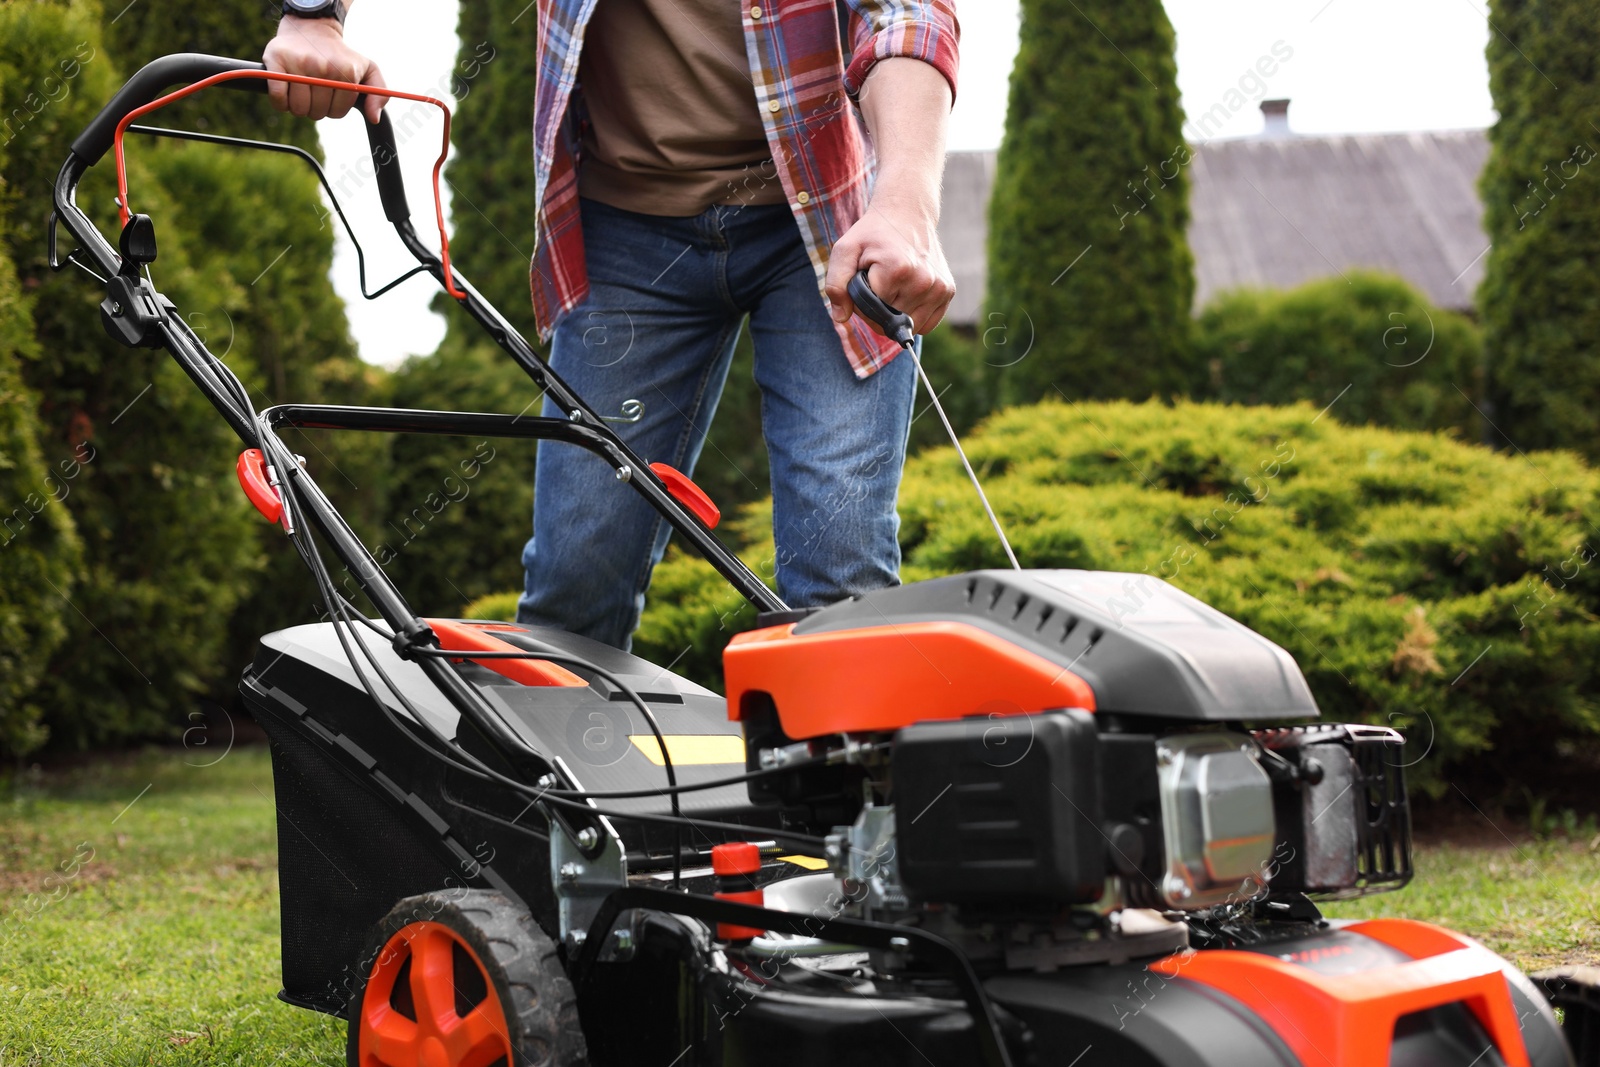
point(150, 82)
point(160, 75)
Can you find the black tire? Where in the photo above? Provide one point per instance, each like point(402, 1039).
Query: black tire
point(509, 952)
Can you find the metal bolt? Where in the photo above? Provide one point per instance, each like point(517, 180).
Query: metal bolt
point(547, 781)
point(578, 937)
point(116, 308)
point(899, 944)
point(588, 837)
point(571, 872)
point(1164, 756)
point(576, 416)
point(624, 473)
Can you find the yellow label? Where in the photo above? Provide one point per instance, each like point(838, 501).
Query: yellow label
point(810, 863)
point(690, 749)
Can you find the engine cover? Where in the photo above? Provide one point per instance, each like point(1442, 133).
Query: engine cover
point(1010, 642)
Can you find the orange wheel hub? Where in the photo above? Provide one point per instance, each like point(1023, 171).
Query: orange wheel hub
point(430, 1002)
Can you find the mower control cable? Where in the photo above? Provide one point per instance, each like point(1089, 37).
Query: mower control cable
point(352, 613)
point(345, 615)
point(897, 326)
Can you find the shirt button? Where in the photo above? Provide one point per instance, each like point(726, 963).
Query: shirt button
point(802, 198)
point(755, 12)
point(774, 107)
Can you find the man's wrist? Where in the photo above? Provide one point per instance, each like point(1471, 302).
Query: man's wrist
point(910, 197)
point(300, 26)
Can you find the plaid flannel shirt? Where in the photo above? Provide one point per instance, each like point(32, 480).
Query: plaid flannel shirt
point(805, 88)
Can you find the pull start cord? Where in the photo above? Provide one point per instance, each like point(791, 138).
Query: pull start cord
point(897, 324)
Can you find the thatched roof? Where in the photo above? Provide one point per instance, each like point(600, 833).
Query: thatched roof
point(1279, 211)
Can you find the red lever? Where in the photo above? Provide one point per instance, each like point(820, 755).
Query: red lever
point(252, 468)
point(691, 496)
point(466, 638)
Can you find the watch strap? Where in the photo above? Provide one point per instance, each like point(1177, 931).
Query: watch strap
point(332, 9)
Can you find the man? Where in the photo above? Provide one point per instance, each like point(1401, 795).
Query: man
point(697, 162)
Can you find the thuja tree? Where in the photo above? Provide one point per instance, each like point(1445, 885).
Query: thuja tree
point(39, 551)
point(491, 167)
point(1541, 191)
point(1088, 258)
point(168, 545)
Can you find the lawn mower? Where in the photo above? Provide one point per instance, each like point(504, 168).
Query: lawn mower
point(1010, 817)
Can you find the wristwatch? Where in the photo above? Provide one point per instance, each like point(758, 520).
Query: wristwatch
point(315, 9)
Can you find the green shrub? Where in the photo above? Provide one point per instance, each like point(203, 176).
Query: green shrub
point(1087, 246)
point(39, 550)
point(1368, 343)
point(1418, 581)
point(1542, 213)
point(169, 544)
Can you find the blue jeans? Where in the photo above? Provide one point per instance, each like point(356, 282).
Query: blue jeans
point(666, 300)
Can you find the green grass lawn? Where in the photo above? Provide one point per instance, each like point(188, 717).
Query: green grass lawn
point(147, 934)
point(139, 914)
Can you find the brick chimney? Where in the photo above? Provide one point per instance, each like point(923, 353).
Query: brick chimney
point(1275, 115)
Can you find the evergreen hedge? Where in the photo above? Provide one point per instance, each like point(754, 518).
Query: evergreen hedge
point(39, 550)
point(1368, 344)
point(179, 576)
point(169, 545)
point(1087, 247)
point(1542, 212)
point(1418, 581)
point(490, 171)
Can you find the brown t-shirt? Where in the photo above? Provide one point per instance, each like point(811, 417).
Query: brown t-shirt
point(673, 123)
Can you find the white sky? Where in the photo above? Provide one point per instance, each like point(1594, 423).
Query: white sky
point(1357, 66)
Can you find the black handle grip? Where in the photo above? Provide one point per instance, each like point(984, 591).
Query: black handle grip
point(386, 164)
point(893, 322)
point(153, 79)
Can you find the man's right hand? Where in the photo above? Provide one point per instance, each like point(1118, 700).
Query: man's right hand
point(315, 48)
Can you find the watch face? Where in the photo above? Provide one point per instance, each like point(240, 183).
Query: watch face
point(307, 7)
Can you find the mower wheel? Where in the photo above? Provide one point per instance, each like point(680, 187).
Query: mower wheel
point(463, 978)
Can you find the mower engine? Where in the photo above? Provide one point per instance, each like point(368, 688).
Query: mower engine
point(1106, 766)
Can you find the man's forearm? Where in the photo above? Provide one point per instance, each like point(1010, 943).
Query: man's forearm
point(906, 104)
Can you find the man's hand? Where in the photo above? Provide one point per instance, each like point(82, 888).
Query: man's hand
point(906, 103)
point(897, 242)
point(315, 48)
